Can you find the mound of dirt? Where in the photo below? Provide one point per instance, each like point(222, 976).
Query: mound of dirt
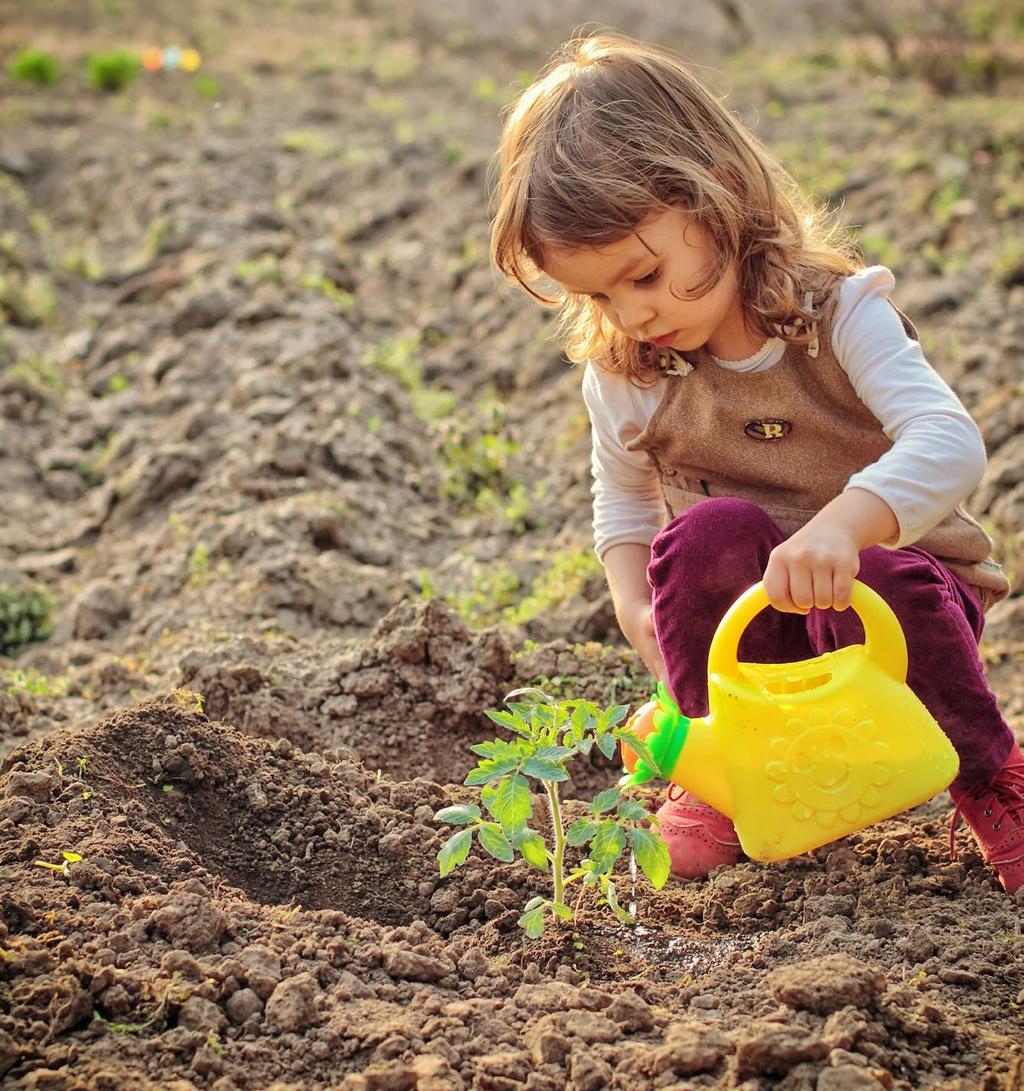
point(237, 911)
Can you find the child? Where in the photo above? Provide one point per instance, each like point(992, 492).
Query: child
point(745, 373)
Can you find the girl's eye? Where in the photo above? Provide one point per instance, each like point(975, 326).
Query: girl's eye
point(651, 277)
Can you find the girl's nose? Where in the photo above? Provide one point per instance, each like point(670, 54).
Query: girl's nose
point(636, 318)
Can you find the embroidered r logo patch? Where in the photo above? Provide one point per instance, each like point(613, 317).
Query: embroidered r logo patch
point(767, 428)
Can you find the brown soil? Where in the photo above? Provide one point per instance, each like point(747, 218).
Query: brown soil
point(217, 460)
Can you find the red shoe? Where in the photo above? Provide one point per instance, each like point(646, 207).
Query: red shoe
point(698, 837)
point(995, 813)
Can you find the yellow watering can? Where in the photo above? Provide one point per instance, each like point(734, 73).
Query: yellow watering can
point(800, 754)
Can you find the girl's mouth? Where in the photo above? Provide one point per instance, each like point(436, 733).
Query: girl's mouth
point(666, 340)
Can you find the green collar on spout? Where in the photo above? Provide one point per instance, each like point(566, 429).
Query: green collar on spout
point(665, 743)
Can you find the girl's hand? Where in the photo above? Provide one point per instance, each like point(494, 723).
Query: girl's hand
point(815, 567)
point(637, 624)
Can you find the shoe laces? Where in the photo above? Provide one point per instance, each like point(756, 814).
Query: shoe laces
point(1006, 792)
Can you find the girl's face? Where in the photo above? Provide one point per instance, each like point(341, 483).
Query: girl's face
point(641, 283)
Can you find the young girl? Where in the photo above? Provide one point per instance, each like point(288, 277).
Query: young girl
point(748, 378)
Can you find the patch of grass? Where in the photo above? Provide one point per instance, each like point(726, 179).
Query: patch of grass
point(82, 261)
point(475, 451)
point(1008, 264)
point(494, 592)
point(34, 683)
point(563, 580)
point(207, 87)
point(112, 71)
point(399, 356)
point(880, 248)
point(34, 66)
point(308, 141)
point(266, 269)
point(25, 618)
point(93, 470)
point(394, 62)
point(344, 300)
point(40, 373)
point(26, 301)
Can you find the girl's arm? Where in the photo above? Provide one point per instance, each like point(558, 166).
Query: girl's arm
point(628, 508)
point(625, 565)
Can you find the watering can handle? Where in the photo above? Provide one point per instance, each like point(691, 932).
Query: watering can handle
point(884, 641)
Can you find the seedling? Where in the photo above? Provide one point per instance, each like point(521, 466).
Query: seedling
point(548, 734)
point(64, 866)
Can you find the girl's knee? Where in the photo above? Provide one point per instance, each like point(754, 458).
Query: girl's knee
point(717, 523)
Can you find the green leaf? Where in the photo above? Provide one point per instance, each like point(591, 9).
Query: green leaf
point(534, 902)
point(612, 898)
point(512, 805)
point(495, 842)
point(634, 810)
point(544, 770)
point(560, 909)
point(612, 717)
point(489, 770)
point(608, 746)
point(459, 815)
point(584, 746)
point(502, 719)
point(608, 843)
point(454, 851)
point(533, 847)
point(496, 748)
point(533, 692)
point(639, 747)
point(604, 801)
point(554, 753)
point(532, 922)
point(652, 856)
point(582, 718)
point(581, 831)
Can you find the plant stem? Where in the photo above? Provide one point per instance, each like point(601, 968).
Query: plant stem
point(558, 862)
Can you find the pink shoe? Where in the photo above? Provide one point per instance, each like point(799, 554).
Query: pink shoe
point(698, 837)
point(995, 813)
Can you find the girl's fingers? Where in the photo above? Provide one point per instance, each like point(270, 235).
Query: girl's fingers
point(824, 588)
point(801, 589)
point(842, 589)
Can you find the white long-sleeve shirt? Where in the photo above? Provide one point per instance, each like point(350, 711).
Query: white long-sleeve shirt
point(936, 460)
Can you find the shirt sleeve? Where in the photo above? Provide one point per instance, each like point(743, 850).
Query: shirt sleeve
point(628, 505)
point(938, 456)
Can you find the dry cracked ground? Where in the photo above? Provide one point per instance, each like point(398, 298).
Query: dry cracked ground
point(271, 433)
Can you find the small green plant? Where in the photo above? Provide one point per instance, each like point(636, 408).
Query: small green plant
point(26, 301)
point(187, 699)
point(548, 733)
point(34, 682)
point(308, 140)
point(262, 270)
point(64, 867)
point(24, 618)
point(199, 565)
point(114, 70)
point(475, 451)
point(207, 86)
point(34, 66)
point(562, 581)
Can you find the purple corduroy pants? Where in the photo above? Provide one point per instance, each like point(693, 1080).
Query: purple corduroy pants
point(703, 560)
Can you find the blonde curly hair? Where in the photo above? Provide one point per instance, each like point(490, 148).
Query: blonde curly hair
point(614, 131)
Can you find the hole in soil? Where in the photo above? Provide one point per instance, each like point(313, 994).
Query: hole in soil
point(327, 535)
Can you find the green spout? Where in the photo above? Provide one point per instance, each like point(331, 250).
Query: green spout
point(665, 743)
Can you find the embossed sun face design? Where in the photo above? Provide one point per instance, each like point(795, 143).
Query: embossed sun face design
point(829, 768)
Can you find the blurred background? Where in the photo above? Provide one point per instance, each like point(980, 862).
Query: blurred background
point(259, 385)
